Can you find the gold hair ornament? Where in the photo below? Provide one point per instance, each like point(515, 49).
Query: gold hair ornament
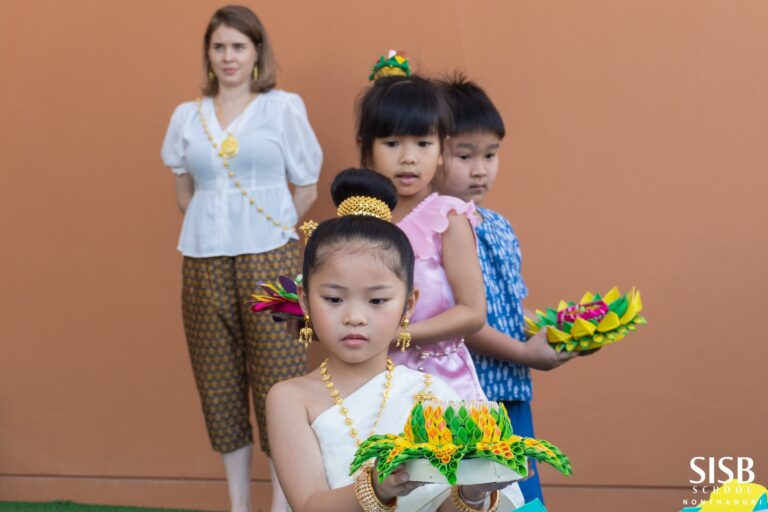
point(354, 205)
point(307, 229)
point(365, 205)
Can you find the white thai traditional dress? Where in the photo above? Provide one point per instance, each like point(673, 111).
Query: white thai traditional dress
point(338, 447)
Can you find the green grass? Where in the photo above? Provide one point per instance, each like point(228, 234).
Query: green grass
point(68, 506)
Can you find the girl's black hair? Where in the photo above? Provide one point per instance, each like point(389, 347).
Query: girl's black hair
point(375, 232)
point(399, 105)
point(472, 109)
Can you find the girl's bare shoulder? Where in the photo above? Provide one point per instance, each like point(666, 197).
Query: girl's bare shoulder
point(302, 389)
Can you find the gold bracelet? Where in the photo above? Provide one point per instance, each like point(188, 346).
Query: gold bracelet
point(462, 506)
point(365, 494)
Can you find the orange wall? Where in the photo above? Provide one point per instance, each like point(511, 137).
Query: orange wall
point(635, 155)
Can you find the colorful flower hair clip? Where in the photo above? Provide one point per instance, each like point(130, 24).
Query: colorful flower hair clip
point(279, 297)
point(393, 65)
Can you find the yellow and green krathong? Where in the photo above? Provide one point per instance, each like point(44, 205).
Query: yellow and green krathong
point(591, 323)
point(444, 433)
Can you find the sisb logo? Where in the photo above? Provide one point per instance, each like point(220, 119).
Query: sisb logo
point(733, 496)
point(709, 469)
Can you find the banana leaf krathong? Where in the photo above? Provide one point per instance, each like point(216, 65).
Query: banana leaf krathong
point(445, 433)
point(591, 323)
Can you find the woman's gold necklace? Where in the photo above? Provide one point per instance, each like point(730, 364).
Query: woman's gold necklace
point(229, 146)
point(228, 149)
point(340, 402)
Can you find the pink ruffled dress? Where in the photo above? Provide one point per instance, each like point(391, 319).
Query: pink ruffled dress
point(447, 359)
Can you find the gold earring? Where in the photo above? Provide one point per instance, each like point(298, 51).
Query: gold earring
point(255, 73)
point(403, 337)
point(305, 333)
point(211, 75)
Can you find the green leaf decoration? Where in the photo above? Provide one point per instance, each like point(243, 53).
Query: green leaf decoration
point(495, 415)
point(619, 306)
point(477, 434)
point(504, 423)
point(544, 451)
point(418, 428)
point(511, 451)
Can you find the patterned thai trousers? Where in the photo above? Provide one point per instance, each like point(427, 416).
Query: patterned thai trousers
point(232, 349)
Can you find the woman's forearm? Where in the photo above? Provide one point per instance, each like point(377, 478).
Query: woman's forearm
point(303, 198)
point(185, 189)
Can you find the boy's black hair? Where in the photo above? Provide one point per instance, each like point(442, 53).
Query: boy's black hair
point(471, 108)
point(378, 233)
point(399, 105)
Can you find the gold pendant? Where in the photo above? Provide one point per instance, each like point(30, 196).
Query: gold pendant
point(229, 147)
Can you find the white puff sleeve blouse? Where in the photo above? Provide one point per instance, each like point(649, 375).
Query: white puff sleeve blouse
point(276, 145)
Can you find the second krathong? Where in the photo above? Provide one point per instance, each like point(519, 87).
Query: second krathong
point(591, 323)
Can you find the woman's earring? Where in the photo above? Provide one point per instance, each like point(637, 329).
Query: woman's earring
point(255, 73)
point(211, 75)
point(305, 333)
point(403, 337)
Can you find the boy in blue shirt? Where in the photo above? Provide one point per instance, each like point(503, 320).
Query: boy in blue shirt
point(502, 356)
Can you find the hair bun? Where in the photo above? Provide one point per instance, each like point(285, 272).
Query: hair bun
point(393, 65)
point(363, 182)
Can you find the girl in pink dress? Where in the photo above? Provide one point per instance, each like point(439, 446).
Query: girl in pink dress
point(402, 124)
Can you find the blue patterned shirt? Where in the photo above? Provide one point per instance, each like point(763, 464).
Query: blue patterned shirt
point(499, 253)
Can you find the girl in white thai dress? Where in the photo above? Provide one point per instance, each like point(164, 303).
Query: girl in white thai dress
point(357, 290)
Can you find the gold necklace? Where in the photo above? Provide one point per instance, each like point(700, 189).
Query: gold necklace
point(229, 146)
point(340, 402)
point(225, 156)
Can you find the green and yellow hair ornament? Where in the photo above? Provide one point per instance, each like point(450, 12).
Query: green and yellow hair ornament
point(393, 65)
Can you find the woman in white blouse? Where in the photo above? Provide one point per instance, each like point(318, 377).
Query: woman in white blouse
point(233, 154)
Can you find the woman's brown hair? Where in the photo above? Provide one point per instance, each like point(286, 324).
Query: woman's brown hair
point(245, 21)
